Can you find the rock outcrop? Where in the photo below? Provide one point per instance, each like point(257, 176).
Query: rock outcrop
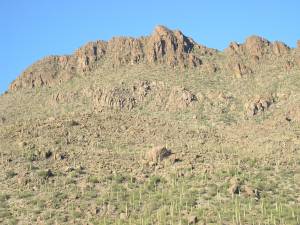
point(259, 105)
point(118, 98)
point(280, 48)
point(180, 98)
point(238, 69)
point(141, 93)
point(164, 46)
point(172, 48)
point(257, 47)
point(86, 56)
point(124, 51)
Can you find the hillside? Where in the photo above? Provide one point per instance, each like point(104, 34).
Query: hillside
point(154, 130)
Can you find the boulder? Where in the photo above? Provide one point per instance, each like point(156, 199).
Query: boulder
point(259, 105)
point(157, 154)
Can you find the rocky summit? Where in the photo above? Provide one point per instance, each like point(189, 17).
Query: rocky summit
point(162, 47)
point(154, 130)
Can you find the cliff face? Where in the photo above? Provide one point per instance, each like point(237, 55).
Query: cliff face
point(162, 47)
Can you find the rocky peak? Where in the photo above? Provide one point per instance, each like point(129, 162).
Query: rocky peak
point(253, 46)
point(163, 46)
point(256, 46)
point(161, 31)
point(171, 47)
point(175, 39)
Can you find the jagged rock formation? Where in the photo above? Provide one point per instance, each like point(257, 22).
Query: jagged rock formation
point(257, 47)
point(163, 47)
point(172, 47)
point(243, 59)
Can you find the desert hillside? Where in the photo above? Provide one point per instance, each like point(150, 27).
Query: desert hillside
point(154, 130)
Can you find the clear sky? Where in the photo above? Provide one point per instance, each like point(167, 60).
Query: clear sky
point(31, 29)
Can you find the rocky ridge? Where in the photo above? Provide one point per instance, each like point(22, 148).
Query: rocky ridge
point(163, 47)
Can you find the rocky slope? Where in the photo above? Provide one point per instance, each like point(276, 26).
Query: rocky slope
point(154, 130)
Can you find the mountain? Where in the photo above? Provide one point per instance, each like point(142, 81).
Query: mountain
point(163, 46)
point(154, 130)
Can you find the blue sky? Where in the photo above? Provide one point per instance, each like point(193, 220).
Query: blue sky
point(31, 29)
